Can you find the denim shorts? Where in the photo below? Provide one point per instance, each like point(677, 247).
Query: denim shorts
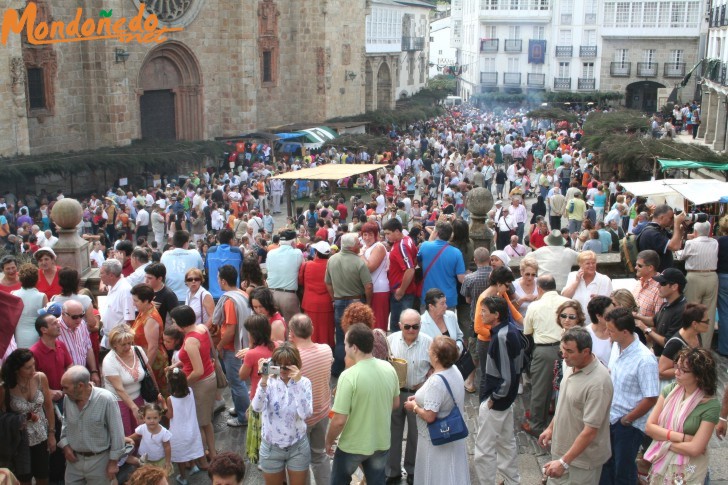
point(274, 459)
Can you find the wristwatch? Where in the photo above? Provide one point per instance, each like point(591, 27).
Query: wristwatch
point(564, 464)
point(648, 331)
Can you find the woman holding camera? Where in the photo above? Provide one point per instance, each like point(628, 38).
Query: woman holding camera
point(284, 401)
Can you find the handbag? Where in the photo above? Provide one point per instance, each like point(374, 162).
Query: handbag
point(465, 362)
point(400, 365)
point(450, 428)
point(148, 391)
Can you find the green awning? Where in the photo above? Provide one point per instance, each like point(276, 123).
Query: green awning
point(689, 164)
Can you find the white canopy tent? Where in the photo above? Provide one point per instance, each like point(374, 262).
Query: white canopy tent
point(674, 192)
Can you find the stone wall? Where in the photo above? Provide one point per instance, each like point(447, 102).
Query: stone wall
point(97, 100)
point(13, 118)
point(663, 46)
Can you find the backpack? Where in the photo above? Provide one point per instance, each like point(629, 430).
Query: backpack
point(629, 248)
point(311, 220)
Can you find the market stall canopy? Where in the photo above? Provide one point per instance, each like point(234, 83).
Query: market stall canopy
point(674, 191)
point(332, 171)
point(689, 164)
point(256, 135)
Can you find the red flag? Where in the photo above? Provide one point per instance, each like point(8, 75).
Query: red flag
point(10, 308)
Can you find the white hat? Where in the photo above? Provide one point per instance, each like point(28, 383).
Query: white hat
point(498, 202)
point(38, 252)
point(322, 247)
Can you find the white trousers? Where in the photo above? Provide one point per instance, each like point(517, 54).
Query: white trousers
point(495, 446)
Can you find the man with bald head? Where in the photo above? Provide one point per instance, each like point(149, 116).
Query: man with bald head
point(92, 436)
point(75, 335)
point(413, 346)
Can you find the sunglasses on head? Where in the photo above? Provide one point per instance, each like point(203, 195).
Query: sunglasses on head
point(190, 280)
point(411, 327)
point(570, 317)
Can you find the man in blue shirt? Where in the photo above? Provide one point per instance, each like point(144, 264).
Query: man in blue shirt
point(178, 261)
point(442, 265)
point(220, 255)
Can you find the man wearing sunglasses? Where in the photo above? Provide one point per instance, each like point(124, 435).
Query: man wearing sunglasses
point(75, 335)
point(666, 322)
point(411, 345)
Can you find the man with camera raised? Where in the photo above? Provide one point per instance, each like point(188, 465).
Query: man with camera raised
point(701, 261)
point(656, 236)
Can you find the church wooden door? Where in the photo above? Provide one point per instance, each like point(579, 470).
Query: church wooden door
point(157, 110)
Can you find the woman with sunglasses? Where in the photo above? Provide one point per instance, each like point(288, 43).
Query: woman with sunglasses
point(525, 288)
point(683, 420)
point(284, 401)
point(568, 315)
point(582, 285)
point(695, 322)
point(198, 298)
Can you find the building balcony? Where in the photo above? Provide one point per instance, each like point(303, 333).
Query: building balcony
point(562, 83)
point(489, 45)
point(716, 74)
point(513, 45)
point(588, 51)
point(413, 44)
point(566, 18)
point(489, 78)
point(564, 51)
point(647, 69)
point(587, 84)
point(536, 80)
point(674, 69)
point(503, 14)
point(511, 78)
point(620, 69)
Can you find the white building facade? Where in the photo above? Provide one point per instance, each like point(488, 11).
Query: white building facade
point(519, 46)
point(397, 46)
point(442, 53)
point(714, 80)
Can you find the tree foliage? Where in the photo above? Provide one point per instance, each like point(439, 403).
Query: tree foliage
point(624, 143)
point(157, 156)
point(441, 82)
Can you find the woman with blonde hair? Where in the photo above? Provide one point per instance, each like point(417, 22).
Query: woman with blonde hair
point(198, 298)
point(525, 287)
point(583, 284)
point(624, 298)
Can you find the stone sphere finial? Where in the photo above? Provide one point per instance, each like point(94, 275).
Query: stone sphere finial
point(479, 201)
point(67, 213)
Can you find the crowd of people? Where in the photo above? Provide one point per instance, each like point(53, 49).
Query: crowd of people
point(383, 294)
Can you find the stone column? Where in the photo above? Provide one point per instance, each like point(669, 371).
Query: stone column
point(479, 201)
point(71, 250)
point(711, 120)
point(720, 124)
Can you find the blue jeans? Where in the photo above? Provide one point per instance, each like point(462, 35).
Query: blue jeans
point(723, 313)
point(396, 307)
point(339, 353)
point(345, 464)
point(238, 387)
point(621, 468)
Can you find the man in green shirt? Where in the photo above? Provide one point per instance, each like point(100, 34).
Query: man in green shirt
point(576, 209)
point(366, 394)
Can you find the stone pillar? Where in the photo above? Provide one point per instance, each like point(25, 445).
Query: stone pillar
point(713, 108)
point(704, 114)
point(720, 124)
point(71, 250)
point(479, 201)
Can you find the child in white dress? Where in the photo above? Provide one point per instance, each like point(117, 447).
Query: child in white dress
point(186, 439)
point(154, 448)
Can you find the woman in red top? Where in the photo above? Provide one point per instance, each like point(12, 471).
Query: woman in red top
point(148, 329)
point(47, 272)
point(199, 369)
point(261, 300)
point(316, 301)
point(10, 280)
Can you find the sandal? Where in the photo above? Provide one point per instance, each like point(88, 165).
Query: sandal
point(470, 390)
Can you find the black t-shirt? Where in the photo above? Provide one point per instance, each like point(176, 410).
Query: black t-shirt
point(668, 321)
point(723, 254)
point(167, 300)
point(655, 238)
point(675, 345)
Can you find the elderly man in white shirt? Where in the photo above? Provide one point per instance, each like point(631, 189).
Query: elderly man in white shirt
point(520, 216)
point(412, 345)
point(119, 304)
point(582, 285)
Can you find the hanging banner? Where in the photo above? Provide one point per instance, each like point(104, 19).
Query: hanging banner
point(536, 51)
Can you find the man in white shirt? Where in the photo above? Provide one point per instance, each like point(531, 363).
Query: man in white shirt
point(49, 241)
point(520, 216)
point(142, 221)
point(119, 304)
point(139, 261)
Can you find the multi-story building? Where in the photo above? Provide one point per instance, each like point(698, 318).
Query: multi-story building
point(634, 47)
point(442, 54)
point(714, 80)
point(397, 42)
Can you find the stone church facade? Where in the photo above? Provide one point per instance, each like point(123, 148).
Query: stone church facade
point(234, 67)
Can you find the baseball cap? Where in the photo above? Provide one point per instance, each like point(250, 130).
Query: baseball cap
point(671, 276)
point(322, 247)
point(54, 309)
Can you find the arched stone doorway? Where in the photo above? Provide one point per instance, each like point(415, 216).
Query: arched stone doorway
point(384, 87)
point(170, 94)
point(642, 95)
point(368, 87)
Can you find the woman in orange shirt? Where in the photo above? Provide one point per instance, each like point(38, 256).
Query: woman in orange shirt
point(148, 329)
